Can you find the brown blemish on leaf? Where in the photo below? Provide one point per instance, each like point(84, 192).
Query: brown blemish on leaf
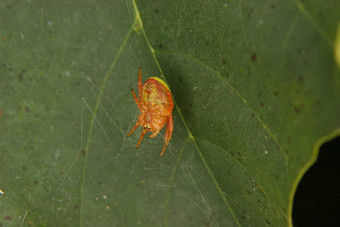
point(8, 218)
point(289, 140)
point(20, 77)
point(297, 110)
point(253, 57)
point(306, 62)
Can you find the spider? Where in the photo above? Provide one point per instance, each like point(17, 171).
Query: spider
point(155, 104)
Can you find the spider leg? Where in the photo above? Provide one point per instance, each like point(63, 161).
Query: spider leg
point(141, 137)
point(168, 134)
point(136, 99)
point(171, 103)
point(140, 83)
point(153, 134)
point(132, 130)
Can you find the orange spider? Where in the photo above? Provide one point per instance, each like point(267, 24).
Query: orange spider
point(155, 104)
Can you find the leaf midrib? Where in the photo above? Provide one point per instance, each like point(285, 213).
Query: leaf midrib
point(138, 18)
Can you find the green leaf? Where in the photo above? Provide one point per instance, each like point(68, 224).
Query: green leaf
point(256, 92)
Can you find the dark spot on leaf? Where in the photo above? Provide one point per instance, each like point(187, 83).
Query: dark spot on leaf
point(252, 114)
point(253, 57)
point(248, 192)
point(300, 79)
point(223, 61)
point(274, 28)
point(166, 28)
point(190, 218)
point(258, 200)
point(277, 147)
point(59, 75)
point(78, 83)
point(36, 182)
point(20, 77)
point(23, 70)
point(10, 69)
point(239, 153)
point(27, 109)
point(156, 11)
point(261, 104)
point(76, 206)
point(306, 62)
point(61, 172)
point(297, 110)
point(24, 168)
point(46, 108)
point(260, 94)
point(273, 6)
point(227, 75)
point(82, 151)
point(289, 140)
point(190, 105)
point(160, 46)
point(275, 93)
point(267, 222)
point(7, 218)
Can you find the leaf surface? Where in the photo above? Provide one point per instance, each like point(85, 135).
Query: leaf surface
point(256, 90)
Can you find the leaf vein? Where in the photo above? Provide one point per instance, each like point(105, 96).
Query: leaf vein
point(93, 119)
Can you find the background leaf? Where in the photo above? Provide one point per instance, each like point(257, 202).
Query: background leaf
point(255, 86)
